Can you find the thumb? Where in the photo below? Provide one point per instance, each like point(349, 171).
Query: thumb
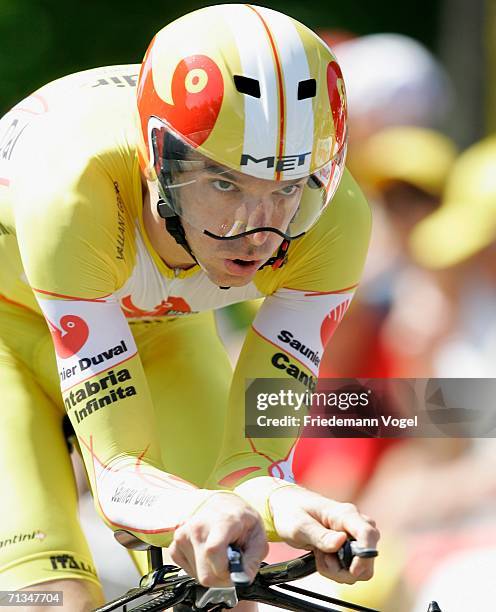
point(323, 539)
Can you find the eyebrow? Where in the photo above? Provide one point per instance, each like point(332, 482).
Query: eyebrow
point(214, 169)
point(220, 170)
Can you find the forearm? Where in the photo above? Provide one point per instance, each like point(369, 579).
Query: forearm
point(134, 495)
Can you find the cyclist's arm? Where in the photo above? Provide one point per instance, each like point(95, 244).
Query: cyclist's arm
point(106, 395)
point(288, 337)
point(67, 227)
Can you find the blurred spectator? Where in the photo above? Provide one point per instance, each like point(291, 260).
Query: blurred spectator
point(403, 170)
point(392, 79)
point(460, 239)
point(444, 491)
point(466, 223)
point(398, 92)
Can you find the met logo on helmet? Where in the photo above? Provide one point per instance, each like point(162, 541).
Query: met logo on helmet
point(283, 163)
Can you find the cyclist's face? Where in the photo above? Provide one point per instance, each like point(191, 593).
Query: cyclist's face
point(230, 203)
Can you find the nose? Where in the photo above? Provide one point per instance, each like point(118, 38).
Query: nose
point(260, 216)
point(258, 238)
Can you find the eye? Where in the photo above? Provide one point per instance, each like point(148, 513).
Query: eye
point(289, 190)
point(221, 185)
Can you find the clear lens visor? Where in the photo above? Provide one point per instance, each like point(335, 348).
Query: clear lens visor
point(226, 204)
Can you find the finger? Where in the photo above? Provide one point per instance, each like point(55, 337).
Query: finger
point(182, 547)
point(363, 531)
point(254, 551)
point(362, 569)
point(328, 565)
point(179, 559)
point(369, 520)
point(212, 561)
point(321, 538)
point(254, 548)
point(345, 517)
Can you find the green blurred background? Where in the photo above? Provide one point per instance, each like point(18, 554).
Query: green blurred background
point(43, 39)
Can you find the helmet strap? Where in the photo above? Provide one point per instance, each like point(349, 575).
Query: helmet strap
point(174, 226)
point(280, 258)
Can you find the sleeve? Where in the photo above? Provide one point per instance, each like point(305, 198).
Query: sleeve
point(287, 339)
point(67, 223)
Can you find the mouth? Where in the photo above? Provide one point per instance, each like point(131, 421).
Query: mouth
point(242, 267)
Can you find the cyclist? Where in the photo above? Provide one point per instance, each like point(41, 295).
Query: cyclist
point(123, 226)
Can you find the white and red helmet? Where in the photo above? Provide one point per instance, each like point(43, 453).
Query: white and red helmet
point(253, 90)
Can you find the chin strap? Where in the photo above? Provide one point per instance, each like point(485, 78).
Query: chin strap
point(174, 226)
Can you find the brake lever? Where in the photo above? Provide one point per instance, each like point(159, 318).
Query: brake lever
point(236, 568)
point(350, 549)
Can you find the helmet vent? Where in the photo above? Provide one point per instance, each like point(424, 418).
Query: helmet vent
point(246, 85)
point(307, 89)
